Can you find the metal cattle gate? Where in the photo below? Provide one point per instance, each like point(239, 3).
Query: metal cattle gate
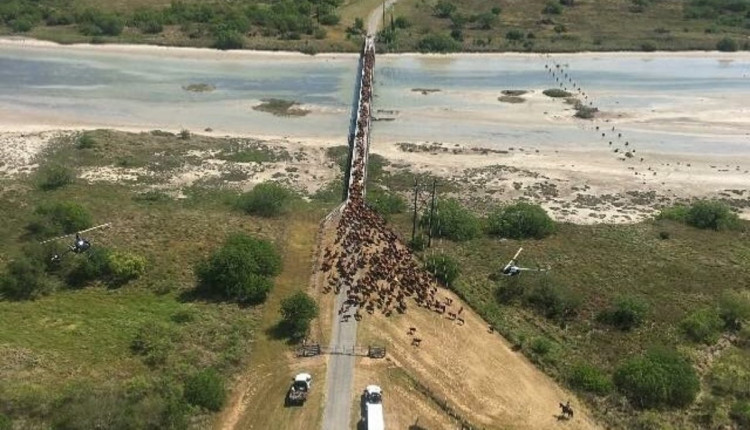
point(313, 349)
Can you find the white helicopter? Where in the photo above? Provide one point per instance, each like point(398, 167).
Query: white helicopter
point(79, 245)
point(512, 268)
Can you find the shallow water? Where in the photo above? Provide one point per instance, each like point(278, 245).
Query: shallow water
point(702, 100)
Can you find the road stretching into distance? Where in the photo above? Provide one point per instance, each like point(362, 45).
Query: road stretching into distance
point(340, 373)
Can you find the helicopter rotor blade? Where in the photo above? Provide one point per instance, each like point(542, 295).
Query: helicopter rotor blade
point(73, 234)
point(515, 257)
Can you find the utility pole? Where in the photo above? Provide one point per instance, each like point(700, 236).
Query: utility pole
point(432, 211)
point(383, 13)
point(414, 219)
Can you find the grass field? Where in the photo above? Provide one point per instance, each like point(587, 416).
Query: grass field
point(478, 25)
point(77, 343)
point(597, 264)
point(590, 25)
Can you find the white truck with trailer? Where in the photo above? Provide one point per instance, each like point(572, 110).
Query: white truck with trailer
point(374, 408)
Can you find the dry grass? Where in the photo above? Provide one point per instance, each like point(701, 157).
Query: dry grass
point(474, 372)
point(258, 400)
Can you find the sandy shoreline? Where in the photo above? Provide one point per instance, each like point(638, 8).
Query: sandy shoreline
point(209, 53)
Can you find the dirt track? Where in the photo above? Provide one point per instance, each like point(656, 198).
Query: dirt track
point(475, 371)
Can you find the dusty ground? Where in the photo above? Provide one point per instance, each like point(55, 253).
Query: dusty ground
point(474, 371)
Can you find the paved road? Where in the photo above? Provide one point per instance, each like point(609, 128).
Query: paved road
point(340, 376)
point(340, 373)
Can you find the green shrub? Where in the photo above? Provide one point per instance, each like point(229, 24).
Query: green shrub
point(229, 39)
point(267, 199)
point(509, 290)
point(703, 326)
point(540, 345)
point(401, 22)
point(419, 243)
point(556, 93)
point(240, 270)
point(59, 218)
point(21, 25)
point(674, 213)
point(589, 378)
point(85, 141)
point(734, 309)
point(485, 21)
point(149, 21)
point(727, 44)
point(124, 266)
point(153, 342)
point(92, 22)
point(658, 378)
point(330, 19)
point(714, 215)
point(520, 221)
point(440, 43)
point(5, 422)
point(444, 9)
point(444, 268)
point(740, 413)
point(514, 35)
point(453, 221)
point(24, 279)
point(554, 302)
point(384, 202)
point(54, 176)
point(297, 311)
point(206, 389)
point(552, 8)
point(85, 270)
point(627, 313)
point(730, 374)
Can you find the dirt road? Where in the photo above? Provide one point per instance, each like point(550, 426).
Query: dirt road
point(374, 20)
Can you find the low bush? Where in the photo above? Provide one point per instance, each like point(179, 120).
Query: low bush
point(520, 221)
point(240, 270)
point(554, 302)
point(440, 43)
point(702, 326)
point(660, 377)
point(453, 221)
point(85, 141)
point(384, 202)
point(206, 389)
point(552, 8)
point(154, 343)
point(556, 93)
point(444, 268)
point(5, 422)
point(714, 215)
point(589, 378)
point(54, 176)
point(509, 290)
point(229, 39)
point(297, 311)
point(84, 270)
point(727, 44)
point(267, 199)
point(24, 279)
point(540, 345)
point(123, 267)
point(59, 218)
point(730, 374)
point(93, 22)
point(740, 413)
point(444, 9)
point(627, 313)
point(734, 309)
